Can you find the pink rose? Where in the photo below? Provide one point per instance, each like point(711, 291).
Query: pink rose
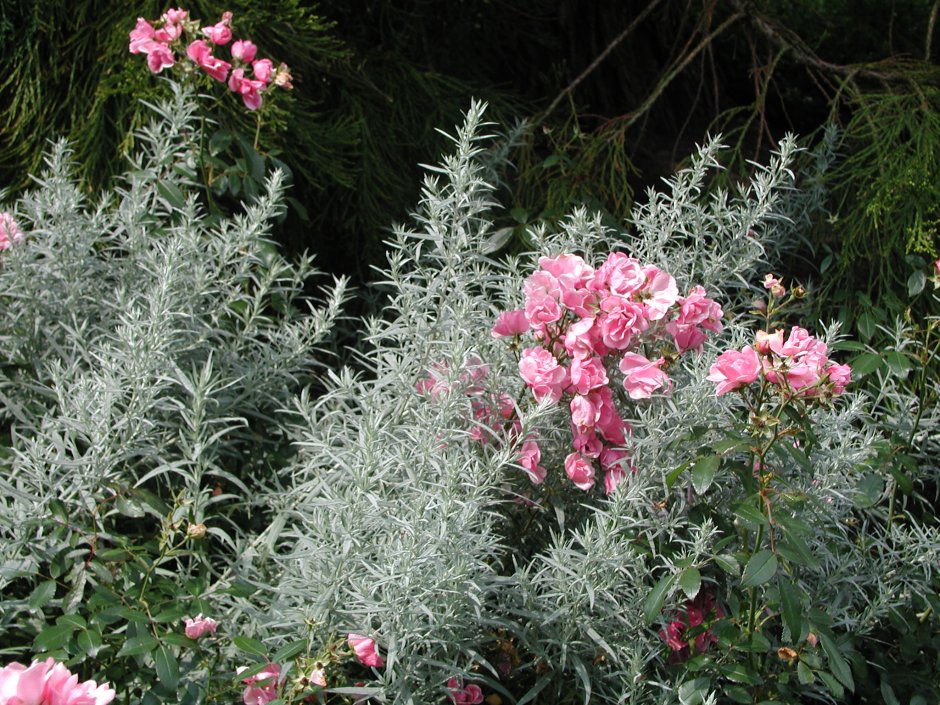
point(262, 687)
point(586, 442)
point(201, 54)
point(282, 79)
point(220, 33)
point(620, 275)
point(141, 37)
point(659, 294)
point(318, 677)
point(510, 323)
point(365, 649)
point(10, 233)
point(248, 88)
point(621, 321)
point(244, 51)
point(936, 266)
point(529, 457)
point(540, 370)
point(698, 309)
point(587, 374)
point(798, 343)
point(49, 683)
point(460, 694)
point(580, 471)
point(805, 373)
point(686, 337)
point(263, 70)
point(613, 462)
point(199, 626)
point(583, 339)
point(583, 413)
point(840, 376)
point(734, 369)
point(542, 294)
point(159, 57)
point(766, 342)
point(175, 16)
point(641, 376)
point(777, 289)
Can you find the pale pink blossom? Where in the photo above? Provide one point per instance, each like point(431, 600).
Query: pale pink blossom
point(582, 339)
point(698, 309)
point(572, 274)
point(159, 57)
point(586, 442)
point(580, 471)
point(540, 370)
point(199, 626)
point(510, 323)
point(282, 79)
point(798, 343)
point(583, 413)
point(365, 649)
point(529, 457)
point(244, 51)
point(460, 694)
point(318, 677)
point(686, 337)
point(201, 54)
point(542, 294)
point(613, 463)
point(777, 289)
point(609, 424)
point(587, 374)
point(765, 342)
point(936, 266)
point(642, 376)
point(805, 373)
point(262, 687)
point(49, 683)
point(175, 16)
point(221, 32)
point(10, 233)
point(659, 293)
point(734, 369)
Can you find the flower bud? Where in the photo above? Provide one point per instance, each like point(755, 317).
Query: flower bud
point(196, 531)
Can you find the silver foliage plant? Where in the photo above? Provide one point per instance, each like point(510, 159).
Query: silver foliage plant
point(146, 348)
point(392, 522)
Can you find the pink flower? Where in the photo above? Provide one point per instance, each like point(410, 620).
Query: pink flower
point(583, 413)
point(805, 373)
point(199, 626)
point(695, 614)
point(529, 457)
point(49, 683)
point(460, 694)
point(220, 33)
point(621, 321)
point(159, 57)
point(766, 342)
point(244, 51)
point(586, 442)
point(613, 462)
point(262, 687)
point(141, 37)
point(734, 369)
point(798, 343)
point(282, 79)
point(641, 376)
point(10, 233)
point(587, 374)
point(175, 16)
point(318, 677)
point(659, 293)
point(840, 376)
point(936, 266)
point(583, 339)
point(365, 650)
point(580, 471)
point(686, 337)
point(698, 309)
point(201, 54)
point(572, 274)
point(248, 88)
point(540, 370)
point(542, 294)
point(777, 289)
point(620, 275)
point(263, 70)
point(510, 323)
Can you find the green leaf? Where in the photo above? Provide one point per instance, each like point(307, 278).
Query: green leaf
point(251, 646)
point(42, 594)
point(703, 472)
point(168, 671)
point(219, 142)
point(728, 563)
point(916, 282)
point(739, 673)
point(866, 325)
point(140, 644)
point(898, 362)
point(887, 692)
point(792, 607)
point(520, 215)
point(870, 488)
point(90, 641)
point(837, 664)
point(288, 651)
point(804, 673)
point(674, 474)
point(738, 694)
point(693, 692)
point(690, 580)
point(866, 363)
point(759, 569)
point(653, 606)
point(834, 686)
point(54, 637)
point(749, 514)
point(171, 193)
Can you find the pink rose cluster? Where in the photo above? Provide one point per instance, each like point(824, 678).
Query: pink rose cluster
point(798, 365)
point(10, 233)
point(161, 43)
point(693, 616)
point(589, 326)
point(198, 626)
point(49, 683)
point(365, 650)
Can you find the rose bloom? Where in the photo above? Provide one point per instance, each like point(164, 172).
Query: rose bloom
point(529, 457)
point(49, 683)
point(580, 471)
point(460, 694)
point(641, 376)
point(840, 376)
point(199, 626)
point(244, 51)
point(365, 649)
point(540, 370)
point(510, 323)
point(734, 369)
point(201, 54)
point(262, 687)
point(10, 233)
